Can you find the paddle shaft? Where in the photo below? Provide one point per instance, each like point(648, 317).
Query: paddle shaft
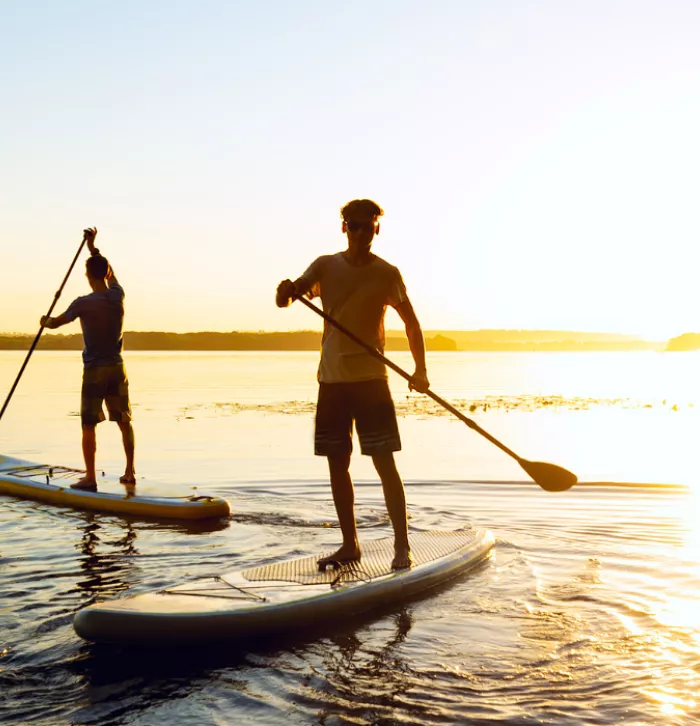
point(379, 356)
point(41, 329)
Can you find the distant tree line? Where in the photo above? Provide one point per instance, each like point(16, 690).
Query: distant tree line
point(297, 340)
point(687, 341)
point(476, 340)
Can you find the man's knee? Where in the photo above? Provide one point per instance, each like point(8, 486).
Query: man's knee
point(339, 463)
point(127, 432)
point(384, 462)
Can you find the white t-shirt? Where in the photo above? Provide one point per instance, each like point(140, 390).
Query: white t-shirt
point(357, 298)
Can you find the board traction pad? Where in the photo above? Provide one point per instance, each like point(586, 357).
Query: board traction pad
point(375, 562)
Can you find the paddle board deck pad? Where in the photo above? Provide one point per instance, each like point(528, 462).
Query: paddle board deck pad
point(283, 596)
point(51, 484)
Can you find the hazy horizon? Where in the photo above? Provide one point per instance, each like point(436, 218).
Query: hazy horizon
point(435, 340)
point(536, 162)
point(73, 330)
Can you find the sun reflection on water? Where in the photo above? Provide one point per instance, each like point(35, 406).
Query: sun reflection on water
point(670, 703)
point(679, 608)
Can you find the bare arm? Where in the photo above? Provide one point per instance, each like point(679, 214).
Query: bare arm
point(57, 322)
point(414, 333)
point(89, 235)
point(111, 277)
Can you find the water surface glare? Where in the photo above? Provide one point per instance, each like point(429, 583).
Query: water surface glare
point(586, 612)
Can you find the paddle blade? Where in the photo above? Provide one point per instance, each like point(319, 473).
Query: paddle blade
point(550, 477)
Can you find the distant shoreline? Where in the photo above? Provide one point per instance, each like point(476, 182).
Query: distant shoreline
point(455, 341)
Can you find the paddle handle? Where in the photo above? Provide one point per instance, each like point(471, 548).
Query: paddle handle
point(41, 329)
point(379, 356)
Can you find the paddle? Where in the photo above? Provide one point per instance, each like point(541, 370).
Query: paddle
point(41, 329)
point(550, 477)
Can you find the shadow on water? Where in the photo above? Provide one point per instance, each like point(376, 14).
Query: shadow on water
point(106, 573)
point(41, 592)
point(110, 567)
point(333, 666)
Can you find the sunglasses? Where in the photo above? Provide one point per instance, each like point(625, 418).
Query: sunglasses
point(357, 226)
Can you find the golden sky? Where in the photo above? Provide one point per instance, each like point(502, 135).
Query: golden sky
point(537, 161)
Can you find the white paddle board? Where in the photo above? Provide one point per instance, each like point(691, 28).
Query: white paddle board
point(283, 596)
point(51, 484)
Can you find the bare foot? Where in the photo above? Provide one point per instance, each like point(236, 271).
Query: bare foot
point(341, 556)
point(128, 478)
point(85, 484)
point(402, 558)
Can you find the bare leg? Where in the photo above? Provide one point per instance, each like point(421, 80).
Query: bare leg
point(89, 481)
point(344, 499)
point(395, 499)
point(129, 444)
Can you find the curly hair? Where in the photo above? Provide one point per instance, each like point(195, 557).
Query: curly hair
point(361, 208)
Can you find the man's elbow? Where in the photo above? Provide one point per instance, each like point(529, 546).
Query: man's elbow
point(413, 327)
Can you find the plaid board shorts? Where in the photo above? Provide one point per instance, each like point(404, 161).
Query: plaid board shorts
point(369, 405)
point(107, 384)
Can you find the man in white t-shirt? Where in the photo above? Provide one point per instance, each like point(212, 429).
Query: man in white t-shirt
point(355, 287)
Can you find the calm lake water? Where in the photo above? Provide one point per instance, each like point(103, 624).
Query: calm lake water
point(586, 612)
